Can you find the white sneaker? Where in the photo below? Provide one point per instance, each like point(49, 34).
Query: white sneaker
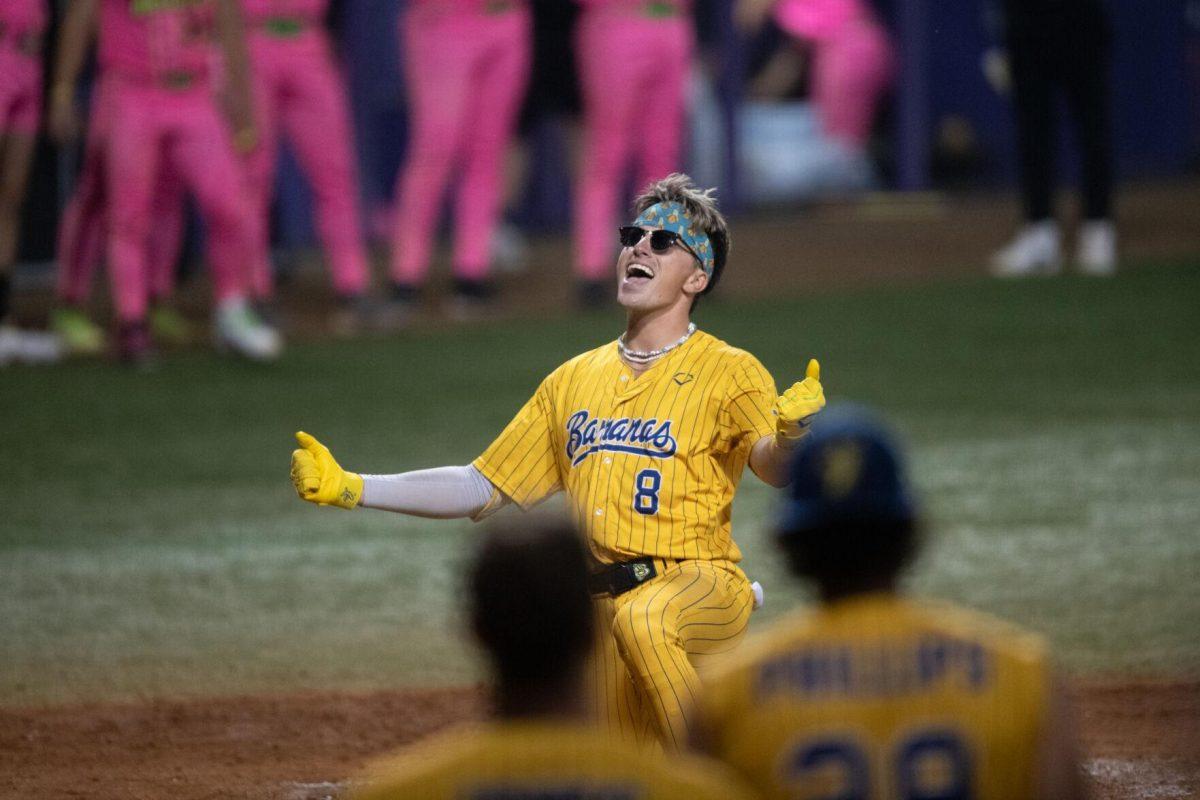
point(29, 347)
point(1096, 254)
point(238, 329)
point(1036, 250)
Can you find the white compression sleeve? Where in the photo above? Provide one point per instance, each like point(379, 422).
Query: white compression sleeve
point(440, 493)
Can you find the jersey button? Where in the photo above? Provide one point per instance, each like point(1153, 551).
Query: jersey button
point(599, 512)
point(608, 461)
point(624, 378)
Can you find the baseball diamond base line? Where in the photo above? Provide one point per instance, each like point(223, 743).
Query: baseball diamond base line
point(1141, 740)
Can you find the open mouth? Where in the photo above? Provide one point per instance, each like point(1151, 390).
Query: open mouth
point(638, 273)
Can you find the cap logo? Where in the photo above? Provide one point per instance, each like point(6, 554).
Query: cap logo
point(841, 469)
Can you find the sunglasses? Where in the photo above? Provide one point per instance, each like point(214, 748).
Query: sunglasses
point(661, 239)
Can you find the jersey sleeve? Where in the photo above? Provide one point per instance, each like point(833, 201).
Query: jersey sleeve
point(747, 413)
point(522, 462)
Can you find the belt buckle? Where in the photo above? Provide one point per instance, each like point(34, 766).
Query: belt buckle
point(177, 80)
point(284, 27)
point(659, 9)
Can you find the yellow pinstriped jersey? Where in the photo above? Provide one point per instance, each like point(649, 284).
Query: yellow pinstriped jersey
point(542, 761)
point(879, 697)
point(650, 463)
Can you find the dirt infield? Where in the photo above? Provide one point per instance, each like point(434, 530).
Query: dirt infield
point(1141, 740)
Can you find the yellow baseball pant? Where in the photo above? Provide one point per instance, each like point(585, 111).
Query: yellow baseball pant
point(653, 637)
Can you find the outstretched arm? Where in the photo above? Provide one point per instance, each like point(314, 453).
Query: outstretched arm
point(440, 493)
point(794, 411)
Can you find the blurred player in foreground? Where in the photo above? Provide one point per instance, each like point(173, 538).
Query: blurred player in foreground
point(649, 436)
point(873, 695)
point(22, 25)
point(158, 58)
point(530, 611)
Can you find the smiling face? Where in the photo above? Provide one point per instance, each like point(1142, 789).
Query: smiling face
point(650, 281)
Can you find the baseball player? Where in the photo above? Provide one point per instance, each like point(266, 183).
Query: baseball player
point(633, 59)
point(648, 436)
point(297, 88)
point(530, 612)
point(83, 229)
point(873, 695)
point(158, 55)
point(464, 102)
point(22, 24)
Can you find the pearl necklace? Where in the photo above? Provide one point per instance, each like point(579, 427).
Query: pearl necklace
point(639, 357)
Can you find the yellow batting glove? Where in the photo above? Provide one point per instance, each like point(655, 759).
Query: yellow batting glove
point(319, 479)
point(795, 408)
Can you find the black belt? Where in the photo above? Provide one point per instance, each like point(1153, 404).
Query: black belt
point(616, 579)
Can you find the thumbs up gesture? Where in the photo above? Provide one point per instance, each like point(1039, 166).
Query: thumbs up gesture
point(795, 408)
point(319, 479)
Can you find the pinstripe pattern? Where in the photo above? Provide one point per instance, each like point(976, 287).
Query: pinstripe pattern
point(684, 427)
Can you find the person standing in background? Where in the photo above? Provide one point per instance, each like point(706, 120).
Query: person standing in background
point(466, 65)
point(22, 25)
point(297, 87)
point(159, 56)
point(83, 229)
point(853, 64)
point(633, 58)
point(1053, 46)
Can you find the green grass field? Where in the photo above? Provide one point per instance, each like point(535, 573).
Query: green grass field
point(151, 543)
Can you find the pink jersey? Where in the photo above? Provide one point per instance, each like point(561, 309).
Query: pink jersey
point(157, 40)
point(22, 23)
point(258, 12)
point(818, 19)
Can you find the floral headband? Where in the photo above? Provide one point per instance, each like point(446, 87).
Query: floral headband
point(672, 216)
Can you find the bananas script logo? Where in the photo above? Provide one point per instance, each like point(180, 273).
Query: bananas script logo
point(641, 437)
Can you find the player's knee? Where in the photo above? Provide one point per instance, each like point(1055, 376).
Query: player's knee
point(636, 628)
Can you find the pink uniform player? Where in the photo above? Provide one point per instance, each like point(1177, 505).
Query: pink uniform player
point(22, 25)
point(633, 58)
point(158, 56)
point(466, 65)
point(853, 61)
point(83, 230)
point(297, 88)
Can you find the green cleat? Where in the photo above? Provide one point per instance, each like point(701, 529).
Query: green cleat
point(169, 327)
point(80, 335)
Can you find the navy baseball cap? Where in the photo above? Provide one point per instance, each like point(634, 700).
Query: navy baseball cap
point(848, 470)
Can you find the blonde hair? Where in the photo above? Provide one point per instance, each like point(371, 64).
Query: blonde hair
point(701, 207)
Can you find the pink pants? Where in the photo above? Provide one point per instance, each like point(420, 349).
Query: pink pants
point(83, 230)
point(466, 74)
point(852, 69)
point(20, 92)
point(154, 129)
point(633, 72)
point(296, 86)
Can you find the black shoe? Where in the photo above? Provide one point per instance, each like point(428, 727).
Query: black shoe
point(593, 295)
point(472, 299)
point(397, 313)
